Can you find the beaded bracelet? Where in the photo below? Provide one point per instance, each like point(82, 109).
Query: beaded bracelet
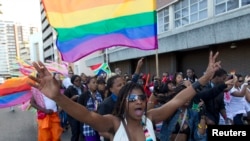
point(199, 126)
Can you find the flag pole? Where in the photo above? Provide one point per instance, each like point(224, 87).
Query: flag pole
point(107, 62)
point(157, 62)
point(106, 56)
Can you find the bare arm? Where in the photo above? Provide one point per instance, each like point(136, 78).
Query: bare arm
point(248, 94)
point(151, 102)
point(137, 70)
point(166, 110)
point(82, 114)
point(49, 86)
point(242, 92)
point(139, 65)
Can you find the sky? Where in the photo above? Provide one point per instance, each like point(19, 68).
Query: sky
point(22, 11)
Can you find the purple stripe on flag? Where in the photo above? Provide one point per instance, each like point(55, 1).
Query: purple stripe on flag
point(15, 99)
point(99, 43)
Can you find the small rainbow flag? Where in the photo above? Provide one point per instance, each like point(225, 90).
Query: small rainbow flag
point(14, 91)
point(85, 26)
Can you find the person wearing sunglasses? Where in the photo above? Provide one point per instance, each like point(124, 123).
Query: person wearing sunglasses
point(131, 120)
point(237, 102)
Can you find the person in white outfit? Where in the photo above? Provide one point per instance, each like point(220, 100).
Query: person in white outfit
point(131, 120)
point(237, 105)
point(67, 81)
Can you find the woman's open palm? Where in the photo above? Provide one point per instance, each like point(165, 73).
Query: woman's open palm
point(45, 82)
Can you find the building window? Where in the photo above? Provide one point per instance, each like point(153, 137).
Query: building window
point(198, 10)
point(222, 6)
point(245, 2)
point(189, 11)
point(163, 20)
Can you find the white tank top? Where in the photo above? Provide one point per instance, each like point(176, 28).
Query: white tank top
point(121, 134)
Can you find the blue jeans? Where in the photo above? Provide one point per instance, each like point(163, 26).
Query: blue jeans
point(64, 119)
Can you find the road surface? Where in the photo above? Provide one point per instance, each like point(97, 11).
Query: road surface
point(20, 126)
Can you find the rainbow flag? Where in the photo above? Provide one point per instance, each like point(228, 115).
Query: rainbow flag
point(14, 91)
point(54, 67)
point(100, 68)
point(15, 99)
point(85, 26)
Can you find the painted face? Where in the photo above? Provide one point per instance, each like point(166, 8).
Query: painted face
point(136, 104)
point(92, 85)
point(117, 85)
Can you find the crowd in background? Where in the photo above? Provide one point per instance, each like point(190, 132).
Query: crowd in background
point(220, 102)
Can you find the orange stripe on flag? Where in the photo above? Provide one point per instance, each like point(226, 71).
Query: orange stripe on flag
point(52, 5)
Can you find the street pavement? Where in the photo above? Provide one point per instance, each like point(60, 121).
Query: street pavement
point(21, 126)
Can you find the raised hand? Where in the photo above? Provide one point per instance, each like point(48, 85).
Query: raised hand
point(140, 63)
point(231, 81)
point(213, 65)
point(46, 83)
point(247, 79)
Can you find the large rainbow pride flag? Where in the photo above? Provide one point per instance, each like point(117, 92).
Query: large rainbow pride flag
point(15, 91)
point(85, 26)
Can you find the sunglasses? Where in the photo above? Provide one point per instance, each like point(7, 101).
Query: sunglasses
point(240, 81)
point(134, 97)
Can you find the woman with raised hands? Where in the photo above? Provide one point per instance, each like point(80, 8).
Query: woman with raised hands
point(131, 120)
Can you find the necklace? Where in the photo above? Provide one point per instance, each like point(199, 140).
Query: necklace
point(146, 132)
point(147, 135)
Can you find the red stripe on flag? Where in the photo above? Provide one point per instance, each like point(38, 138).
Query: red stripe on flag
point(94, 67)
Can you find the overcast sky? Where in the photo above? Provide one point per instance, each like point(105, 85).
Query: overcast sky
point(23, 11)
